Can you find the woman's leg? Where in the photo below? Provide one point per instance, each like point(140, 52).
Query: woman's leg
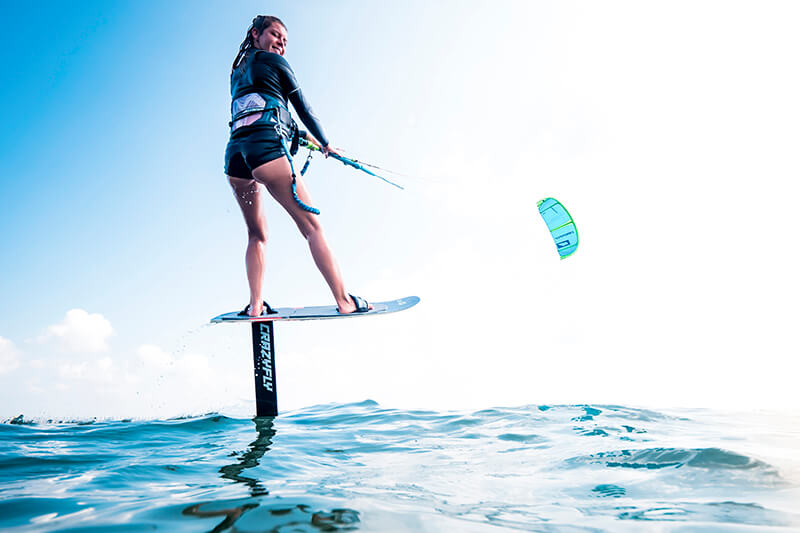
point(248, 195)
point(276, 175)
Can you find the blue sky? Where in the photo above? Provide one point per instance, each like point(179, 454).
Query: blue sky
point(669, 132)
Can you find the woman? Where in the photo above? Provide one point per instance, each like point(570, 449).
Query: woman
point(262, 129)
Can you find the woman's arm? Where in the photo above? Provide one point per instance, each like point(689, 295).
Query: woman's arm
point(290, 87)
point(307, 116)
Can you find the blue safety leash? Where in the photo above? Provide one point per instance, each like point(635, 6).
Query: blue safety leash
point(297, 199)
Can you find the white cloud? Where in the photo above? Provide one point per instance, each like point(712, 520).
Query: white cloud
point(9, 356)
point(153, 355)
point(73, 370)
point(81, 331)
point(98, 370)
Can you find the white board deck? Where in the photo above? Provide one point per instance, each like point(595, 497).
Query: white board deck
point(320, 312)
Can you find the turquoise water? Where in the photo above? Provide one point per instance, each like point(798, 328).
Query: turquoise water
point(366, 468)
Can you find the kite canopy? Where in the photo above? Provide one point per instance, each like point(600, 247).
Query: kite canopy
point(561, 226)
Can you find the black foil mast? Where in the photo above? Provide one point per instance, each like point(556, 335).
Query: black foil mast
point(264, 367)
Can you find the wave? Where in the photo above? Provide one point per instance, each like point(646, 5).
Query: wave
point(655, 458)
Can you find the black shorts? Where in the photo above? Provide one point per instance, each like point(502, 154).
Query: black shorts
point(250, 149)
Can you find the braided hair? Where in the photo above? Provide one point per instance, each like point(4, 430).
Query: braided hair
point(260, 23)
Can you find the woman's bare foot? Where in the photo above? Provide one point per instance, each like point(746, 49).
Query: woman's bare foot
point(351, 306)
point(255, 309)
point(346, 306)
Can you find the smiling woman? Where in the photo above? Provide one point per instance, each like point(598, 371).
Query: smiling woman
point(262, 84)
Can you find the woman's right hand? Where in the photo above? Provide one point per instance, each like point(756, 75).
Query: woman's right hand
point(328, 149)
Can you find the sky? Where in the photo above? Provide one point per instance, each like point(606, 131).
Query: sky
point(669, 131)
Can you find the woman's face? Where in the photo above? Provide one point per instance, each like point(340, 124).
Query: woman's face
point(272, 39)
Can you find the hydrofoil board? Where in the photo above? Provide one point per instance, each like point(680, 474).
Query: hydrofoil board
point(319, 312)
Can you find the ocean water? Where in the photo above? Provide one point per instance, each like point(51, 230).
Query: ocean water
point(361, 467)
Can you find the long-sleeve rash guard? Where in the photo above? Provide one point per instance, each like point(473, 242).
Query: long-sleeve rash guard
point(270, 74)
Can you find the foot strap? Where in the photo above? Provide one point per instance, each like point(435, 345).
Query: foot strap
point(266, 310)
point(362, 306)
